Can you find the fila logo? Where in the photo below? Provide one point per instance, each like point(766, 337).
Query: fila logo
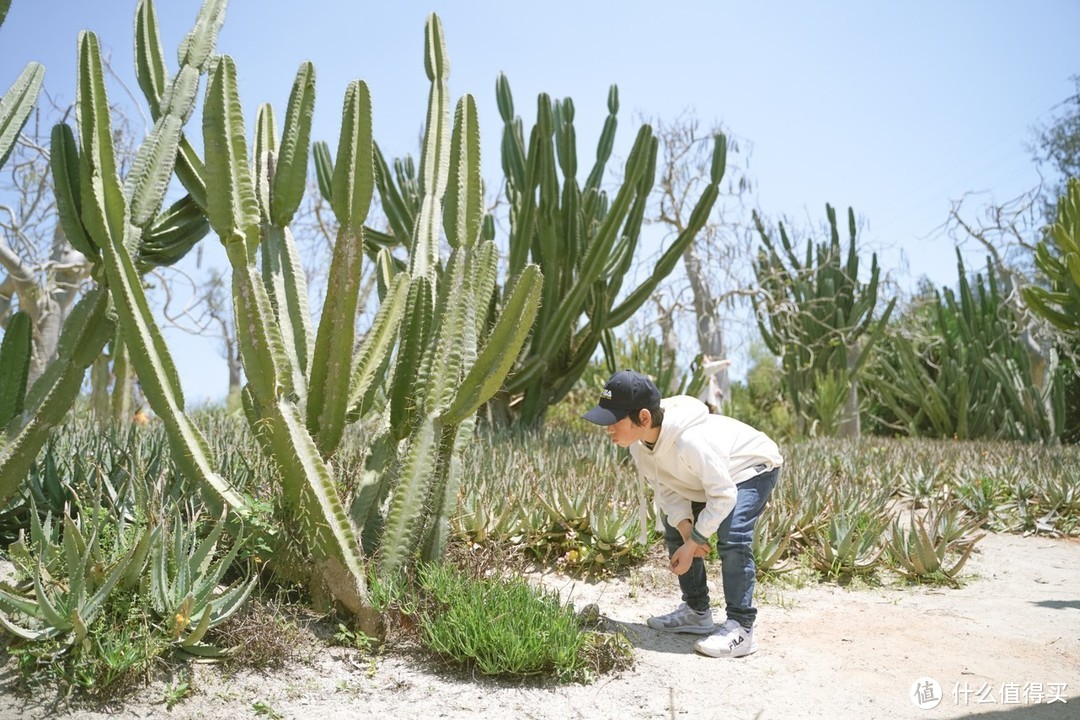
point(736, 642)
point(605, 394)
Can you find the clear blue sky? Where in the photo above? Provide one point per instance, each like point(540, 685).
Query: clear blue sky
point(895, 109)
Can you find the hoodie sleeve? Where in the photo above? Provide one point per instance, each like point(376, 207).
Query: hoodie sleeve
point(675, 506)
point(704, 460)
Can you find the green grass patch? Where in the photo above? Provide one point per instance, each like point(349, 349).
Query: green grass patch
point(507, 627)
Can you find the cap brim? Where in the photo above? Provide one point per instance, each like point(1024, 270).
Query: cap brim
point(605, 416)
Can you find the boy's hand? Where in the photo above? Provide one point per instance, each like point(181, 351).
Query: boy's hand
point(684, 556)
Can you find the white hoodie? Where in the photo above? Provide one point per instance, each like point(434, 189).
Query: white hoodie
point(700, 457)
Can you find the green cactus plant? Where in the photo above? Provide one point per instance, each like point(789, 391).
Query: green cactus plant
point(966, 372)
point(818, 318)
point(119, 229)
point(1058, 257)
point(583, 243)
point(303, 387)
point(16, 105)
point(14, 366)
point(440, 375)
point(431, 420)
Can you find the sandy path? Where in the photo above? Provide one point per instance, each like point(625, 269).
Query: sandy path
point(1000, 647)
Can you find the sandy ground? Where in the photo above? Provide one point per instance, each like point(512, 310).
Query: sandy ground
point(1005, 645)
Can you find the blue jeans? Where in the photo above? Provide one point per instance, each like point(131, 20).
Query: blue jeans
point(734, 537)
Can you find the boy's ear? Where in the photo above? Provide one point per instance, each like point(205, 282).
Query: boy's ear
point(645, 417)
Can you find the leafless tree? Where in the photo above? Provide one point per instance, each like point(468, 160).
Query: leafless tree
point(717, 264)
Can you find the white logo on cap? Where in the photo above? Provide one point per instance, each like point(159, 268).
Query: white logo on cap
point(605, 394)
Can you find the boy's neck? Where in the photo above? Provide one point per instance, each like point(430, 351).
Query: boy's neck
point(650, 436)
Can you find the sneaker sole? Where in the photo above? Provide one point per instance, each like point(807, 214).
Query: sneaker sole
point(724, 653)
point(686, 630)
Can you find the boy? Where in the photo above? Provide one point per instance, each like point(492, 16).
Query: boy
point(710, 474)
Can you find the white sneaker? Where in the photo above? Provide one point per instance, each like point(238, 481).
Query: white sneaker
point(684, 619)
point(731, 640)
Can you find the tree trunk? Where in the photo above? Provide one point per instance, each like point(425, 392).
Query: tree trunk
point(850, 424)
point(48, 306)
point(710, 333)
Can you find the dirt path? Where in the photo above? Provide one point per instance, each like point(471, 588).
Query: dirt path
point(1003, 646)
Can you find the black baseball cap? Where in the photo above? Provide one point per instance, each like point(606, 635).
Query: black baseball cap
point(624, 393)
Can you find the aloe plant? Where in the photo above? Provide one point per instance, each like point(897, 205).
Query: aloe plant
point(185, 579)
point(773, 534)
point(71, 576)
point(920, 549)
point(849, 544)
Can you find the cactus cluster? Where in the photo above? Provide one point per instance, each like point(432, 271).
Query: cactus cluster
point(123, 232)
point(820, 320)
point(968, 373)
point(584, 242)
point(435, 352)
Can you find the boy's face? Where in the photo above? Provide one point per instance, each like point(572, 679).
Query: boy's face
point(625, 433)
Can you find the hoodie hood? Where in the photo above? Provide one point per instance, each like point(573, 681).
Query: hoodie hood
point(680, 412)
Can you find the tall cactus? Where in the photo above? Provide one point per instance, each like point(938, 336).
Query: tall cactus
point(299, 415)
point(303, 386)
point(14, 366)
point(818, 317)
point(15, 108)
point(116, 217)
point(583, 243)
point(94, 211)
point(442, 343)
